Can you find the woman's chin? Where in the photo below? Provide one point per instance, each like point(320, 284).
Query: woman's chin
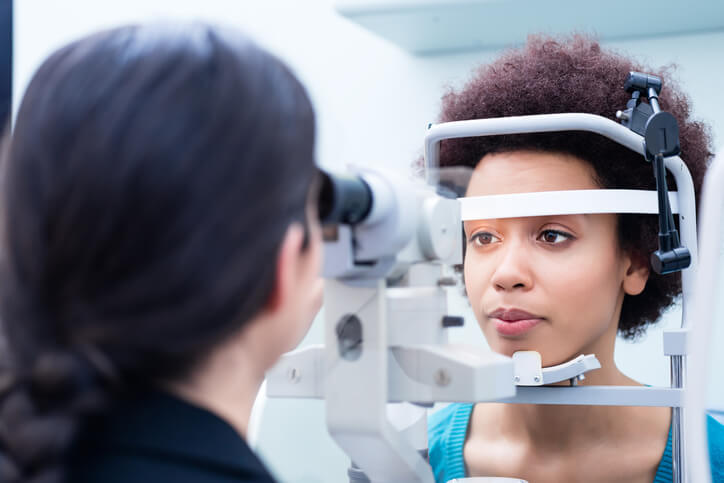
point(508, 347)
point(548, 358)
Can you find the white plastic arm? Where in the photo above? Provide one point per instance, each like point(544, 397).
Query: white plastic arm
point(702, 310)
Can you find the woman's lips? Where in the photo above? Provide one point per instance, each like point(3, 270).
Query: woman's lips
point(513, 322)
point(513, 328)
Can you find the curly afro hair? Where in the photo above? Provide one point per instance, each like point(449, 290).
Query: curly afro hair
point(574, 74)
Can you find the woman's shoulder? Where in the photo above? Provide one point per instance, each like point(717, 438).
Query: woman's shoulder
point(446, 432)
point(155, 437)
point(715, 432)
point(446, 422)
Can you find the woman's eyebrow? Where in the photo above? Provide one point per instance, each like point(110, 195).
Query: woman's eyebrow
point(567, 218)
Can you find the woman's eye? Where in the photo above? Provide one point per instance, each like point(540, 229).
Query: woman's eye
point(554, 236)
point(484, 238)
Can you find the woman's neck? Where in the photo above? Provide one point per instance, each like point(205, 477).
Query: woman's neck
point(552, 442)
point(565, 425)
point(225, 384)
point(551, 426)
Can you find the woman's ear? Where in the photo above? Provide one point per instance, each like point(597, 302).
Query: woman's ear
point(636, 275)
point(287, 266)
point(296, 295)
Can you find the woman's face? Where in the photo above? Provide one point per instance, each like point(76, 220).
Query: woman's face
point(553, 284)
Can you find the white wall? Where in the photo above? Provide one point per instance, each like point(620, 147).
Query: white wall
point(373, 102)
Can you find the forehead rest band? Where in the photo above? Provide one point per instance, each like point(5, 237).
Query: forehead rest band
point(570, 202)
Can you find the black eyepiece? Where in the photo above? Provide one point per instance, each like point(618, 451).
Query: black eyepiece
point(344, 199)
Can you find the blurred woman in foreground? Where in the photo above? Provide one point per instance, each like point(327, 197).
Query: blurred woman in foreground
point(160, 251)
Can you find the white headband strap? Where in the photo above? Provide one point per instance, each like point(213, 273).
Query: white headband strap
point(572, 202)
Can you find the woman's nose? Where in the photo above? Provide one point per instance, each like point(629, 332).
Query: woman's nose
point(513, 271)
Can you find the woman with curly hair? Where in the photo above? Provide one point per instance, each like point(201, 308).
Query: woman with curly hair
point(561, 285)
point(160, 251)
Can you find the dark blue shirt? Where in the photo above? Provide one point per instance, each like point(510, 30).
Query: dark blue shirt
point(157, 437)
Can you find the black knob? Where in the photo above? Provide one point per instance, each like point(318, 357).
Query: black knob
point(452, 321)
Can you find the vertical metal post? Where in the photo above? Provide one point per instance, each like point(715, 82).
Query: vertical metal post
point(356, 378)
point(677, 426)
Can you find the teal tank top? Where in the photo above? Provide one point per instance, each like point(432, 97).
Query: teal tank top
point(446, 436)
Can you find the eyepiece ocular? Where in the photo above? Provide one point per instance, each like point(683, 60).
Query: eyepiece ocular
point(344, 199)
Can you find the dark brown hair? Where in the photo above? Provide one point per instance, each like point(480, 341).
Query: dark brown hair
point(574, 74)
point(132, 239)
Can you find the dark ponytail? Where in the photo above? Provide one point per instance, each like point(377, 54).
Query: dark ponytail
point(40, 413)
point(151, 176)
